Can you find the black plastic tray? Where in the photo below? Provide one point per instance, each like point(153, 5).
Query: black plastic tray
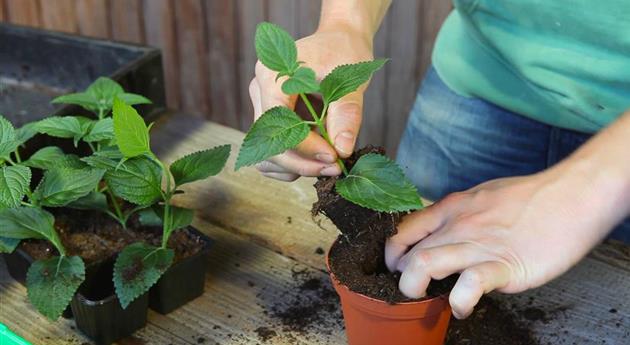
point(38, 65)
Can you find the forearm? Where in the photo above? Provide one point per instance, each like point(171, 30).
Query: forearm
point(602, 165)
point(362, 16)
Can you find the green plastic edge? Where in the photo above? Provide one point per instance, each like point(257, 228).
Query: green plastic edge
point(9, 338)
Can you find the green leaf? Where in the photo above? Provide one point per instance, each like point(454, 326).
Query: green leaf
point(25, 133)
point(378, 183)
point(6, 148)
point(14, 183)
point(275, 48)
point(52, 283)
point(102, 130)
point(137, 180)
point(179, 217)
point(132, 134)
point(60, 186)
point(133, 99)
point(8, 245)
point(92, 201)
point(28, 222)
point(45, 158)
point(148, 217)
point(138, 267)
point(276, 131)
point(60, 127)
point(7, 131)
point(200, 165)
point(302, 81)
point(82, 99)
point(347, 78)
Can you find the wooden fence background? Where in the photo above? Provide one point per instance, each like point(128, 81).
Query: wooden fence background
point(209, 52)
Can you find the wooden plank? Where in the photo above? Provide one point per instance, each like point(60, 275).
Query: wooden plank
point(59, 15)
point(431, 15)
point(93, 18)
point(375, 99)
point(223, 62)
point(159, 28)
point(127, 21)
point(249, 14)
point(23, 12)
point(193, 56)
point(3, 11)
point(401, 81)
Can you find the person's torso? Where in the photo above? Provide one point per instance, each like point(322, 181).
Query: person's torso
point(563, 62)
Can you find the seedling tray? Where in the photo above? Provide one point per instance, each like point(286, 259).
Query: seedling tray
point(9, 338)
point(38, 65)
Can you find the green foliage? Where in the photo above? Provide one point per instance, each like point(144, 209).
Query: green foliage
point(199, 165)
point(103, 130)
point(61, 186)
point(8, 245)
point(275, 48)
point(63, 127)
point(8, 142)
point(347, 78)
point(25, 133)
point(378, 183)
point(92, 201)
point(53, 282)
point(28, 222)
point(51, 157)
point(276, 131)
point(99, 97)
point(132, 134)
point(137, 268)
point(179, 217)
point(302, 81)
point(14, 184)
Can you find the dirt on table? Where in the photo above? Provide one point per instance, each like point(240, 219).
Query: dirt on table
point(357, 259)
point(96, 237)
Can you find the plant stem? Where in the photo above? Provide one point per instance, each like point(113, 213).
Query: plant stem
point(119, 215)
point(166, 231)
point(17, 155)
point(91, 147)
point(322, 129)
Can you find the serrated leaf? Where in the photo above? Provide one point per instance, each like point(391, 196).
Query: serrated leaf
point(60, 127)
point(148, 217)
point(102, 130)
point(132, 134)
point(8, 245)
point(60, 186)
point(6, 148)
point(14, 183)
point(276, 131)
point(53, 282)
point(138, 267)
point(25, 133)
point(199, 165)
point(377, 183)
point(92, 201)
point(28, 222)
point(275, 48)
point(347, 78)
point(302, 81)
point(7, 131)
point(179, 217)
point(133, 99)
point(45, 158)
point(137, 180)
point(82, 99)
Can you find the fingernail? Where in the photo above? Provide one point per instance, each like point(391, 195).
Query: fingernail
point(325, 158)
point(344, 142)
point(331, 170)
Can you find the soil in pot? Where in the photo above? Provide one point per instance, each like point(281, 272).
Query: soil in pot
point(357, 259)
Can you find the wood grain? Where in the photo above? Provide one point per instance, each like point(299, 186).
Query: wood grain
point(59, 15)
point(160, 31)
point(24, 12)
point(3, 11)
point(93, 18)
point(127, 21)
point(193, 57)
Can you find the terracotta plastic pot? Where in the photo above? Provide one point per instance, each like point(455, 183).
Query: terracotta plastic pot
point(373, 322)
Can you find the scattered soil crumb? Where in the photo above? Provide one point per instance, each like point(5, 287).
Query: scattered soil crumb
point(250, 283)
point(201, 340)
point(289, 220)
point(320, 251)
point(265, 334)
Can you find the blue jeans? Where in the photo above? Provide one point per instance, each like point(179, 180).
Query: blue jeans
point(452, 143)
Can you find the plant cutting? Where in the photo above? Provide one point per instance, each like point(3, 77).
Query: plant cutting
point(366, 202)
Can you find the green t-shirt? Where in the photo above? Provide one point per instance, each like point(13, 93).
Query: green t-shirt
point(562, 62)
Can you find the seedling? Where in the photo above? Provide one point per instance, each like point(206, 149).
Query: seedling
point(136, 174)
point(374, 181)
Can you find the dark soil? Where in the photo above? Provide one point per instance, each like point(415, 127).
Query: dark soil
point(96, 237)
point(358, 257)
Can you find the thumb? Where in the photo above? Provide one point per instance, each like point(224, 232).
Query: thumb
point(344, 121)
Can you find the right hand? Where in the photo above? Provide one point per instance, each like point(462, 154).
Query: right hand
point(322, 51)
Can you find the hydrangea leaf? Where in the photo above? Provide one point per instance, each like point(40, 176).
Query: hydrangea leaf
point(345, 79)
point(14, 183)
point(302, 81)
point(60, 186)
point(199, 165)
point(132, 134)
point(275, 48)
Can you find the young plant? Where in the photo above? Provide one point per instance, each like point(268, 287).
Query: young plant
point(51, 283)
point(374, 181)
point(98, 134)
point(136, 174)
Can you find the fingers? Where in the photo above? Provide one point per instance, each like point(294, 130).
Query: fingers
point(314, 147)
point(270, 89)
point(419, 225)
point(291, 162)
point(419, 266)
point(286, 177)
point(344, 120)
point(473, 283)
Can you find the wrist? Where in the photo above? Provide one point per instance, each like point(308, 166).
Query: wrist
point(361, 18)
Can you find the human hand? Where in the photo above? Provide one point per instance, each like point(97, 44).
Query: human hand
point(509, 234)
point(322, 51)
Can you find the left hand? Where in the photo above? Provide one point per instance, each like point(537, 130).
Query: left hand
point(509, 234)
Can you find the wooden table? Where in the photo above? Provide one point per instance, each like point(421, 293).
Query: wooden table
point(268, 259)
